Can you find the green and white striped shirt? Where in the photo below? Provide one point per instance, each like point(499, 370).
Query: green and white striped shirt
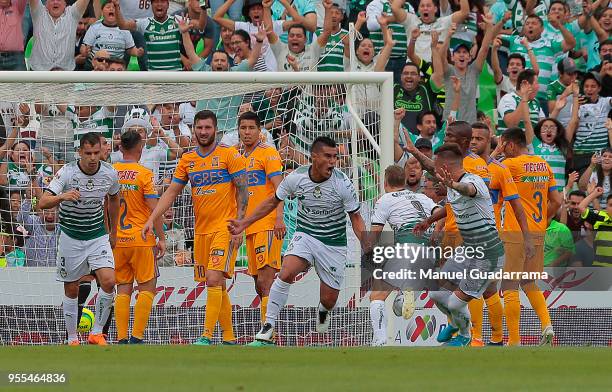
point(554, 157)
point(332, 56)
point(162, 41)
point(592, 134)
point(509, 103)
point(322, 206)
point(376, 8)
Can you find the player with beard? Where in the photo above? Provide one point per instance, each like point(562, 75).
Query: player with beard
point(414, 173)
point(503, 194)
point(217, 174)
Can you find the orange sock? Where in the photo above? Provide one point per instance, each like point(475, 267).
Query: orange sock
point(263, 307)
point(512, 307)
point(225, 318)
point(476, 307)
point(214, 301)
point(496, 315)
point(142, 311)
point(538, 303)
point(122, 315)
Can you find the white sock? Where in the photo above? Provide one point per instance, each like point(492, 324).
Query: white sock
point(379, 321)
point(104, 301)
point(460, 314)
point(323, 308)
point(276, 300)
point(71, 310)
point(440, 297)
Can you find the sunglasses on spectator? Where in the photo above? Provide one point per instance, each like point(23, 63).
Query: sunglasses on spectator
point(102, 59)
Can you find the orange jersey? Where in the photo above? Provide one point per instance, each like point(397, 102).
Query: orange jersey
point(263, 163)
point(502, 189)
point(212, 188)
point(534, 179)
point(474, 164)
point(136, 182)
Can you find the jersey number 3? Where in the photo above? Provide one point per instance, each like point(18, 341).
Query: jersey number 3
point(538, 199)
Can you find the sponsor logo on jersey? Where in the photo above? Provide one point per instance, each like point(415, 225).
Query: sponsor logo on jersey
point(317, 192)
point(217, 252)
point(90, 185)
point(127, 175)
point(260, 249)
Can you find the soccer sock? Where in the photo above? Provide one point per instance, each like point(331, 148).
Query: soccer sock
point(109, 321)
point(214, 301)
point(262, 307)
point(496, 314)
point(379, 323)
point(277, 300)
point(538, 303)
point(84, 291)
point(512, 308)
point(142, 311)
point(225, 318)
point(104, 302)
point(460, 314)
point(440, 297)
point(71, 308)
point(476, 307)
point(122, 315)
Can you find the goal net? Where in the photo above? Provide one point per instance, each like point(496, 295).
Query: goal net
point(43, 115)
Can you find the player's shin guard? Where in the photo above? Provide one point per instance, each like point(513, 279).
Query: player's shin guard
point(496, 314)
point(225, 318)
point(379, 322)
point(263, 308)
point(538, 303)
point(512, 308)
point(214, 301)
point(476, 307)
point(71, 309)
point(104, 302)
point(142, 311)
point(460, 314)
point(122, 315)
point(84, 291)
point(277, 300)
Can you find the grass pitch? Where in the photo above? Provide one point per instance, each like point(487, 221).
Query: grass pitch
point(191, 368)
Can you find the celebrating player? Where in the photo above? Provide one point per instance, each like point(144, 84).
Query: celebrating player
point(469, 198)
point(325, 195)
point(219, 191)
point(403, 209)
point(540, 198)
point(84, 245)
point(134, 254)
point(264, 237)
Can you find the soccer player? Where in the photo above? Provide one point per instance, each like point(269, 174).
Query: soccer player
point(402, 209)
point(503, 193)
point(84, 245)
point(540, 198)
point(135, 255)
point(325, 195)
point(217, 174)
point(469, 198)
point(265, 237)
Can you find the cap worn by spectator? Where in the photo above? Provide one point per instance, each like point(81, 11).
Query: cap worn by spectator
point(424, 144)
point(465, 45)
point(567, 66)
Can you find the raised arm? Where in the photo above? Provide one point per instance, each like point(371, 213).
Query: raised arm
point(438, 61)
point(491, 31)
point(498, 75)
point(124, 24)
point(512, 119)
point(256, 51)
point(398, 115)
point(81, 6)
point(426, 162)
point(399, 13)
point(308, 21)
point(464, 11)
point(602, 35)
point(267, 21)
point(414, 35)
point(219, 16)
point(385, 53)
point(574, 121)
point(583, 182)
point(327, 24)
point(569, 41)
point(532, 58)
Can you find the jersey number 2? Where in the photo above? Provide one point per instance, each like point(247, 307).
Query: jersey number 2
point(122, 225)
point(538, 198)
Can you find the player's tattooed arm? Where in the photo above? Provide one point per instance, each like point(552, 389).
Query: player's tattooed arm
point(242, 194)
point(426, 162)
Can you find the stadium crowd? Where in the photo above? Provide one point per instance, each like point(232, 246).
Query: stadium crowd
point(551, 63)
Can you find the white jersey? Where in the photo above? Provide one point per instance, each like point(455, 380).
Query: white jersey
point(132, 9)
point(322, 206)
point(475, 217)
point(307, 60)
point(84, 219)
point(403, 210)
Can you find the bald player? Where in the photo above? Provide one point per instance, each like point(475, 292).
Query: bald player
point(503, 193)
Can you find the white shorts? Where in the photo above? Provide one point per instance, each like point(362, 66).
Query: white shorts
point(329, 261)
point(469, 284)
point(77, 258)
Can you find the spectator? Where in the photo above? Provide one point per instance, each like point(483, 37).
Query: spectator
point(163, 35)
point(427, 127)
point(105, 34)
point(603, 24)
point(427, 22)
point(15, 197)
point(585, 248)
point(602, 225)
point(225, 45)
point(598, 174)
point(131, 9)
point(43, 233)
point(562, 88)
point(570, 214)
point(467, 31)
point(516, 65)
point(375, 13)
point(513, 108)
point(12, 41)
point(175, 241)
point(241, 43)
point(235, 11)
point(605, 49)
point(79, 58)
point(592, 134)
point(545, 51)
point(337, 48)
point(551, 143)
point(55, 27)
point(558, 14)
point(291, 13)
point(233, 138)
point(200, 36)
point(559, 246)
point(100, 60)
point(254, 15)
point(15, 172)
point(12, 241)
point(116, 64)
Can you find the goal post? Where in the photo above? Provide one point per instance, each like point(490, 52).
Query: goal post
point(353, 107)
